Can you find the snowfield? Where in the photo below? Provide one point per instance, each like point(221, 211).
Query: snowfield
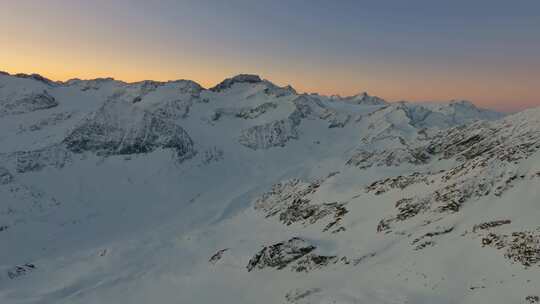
point(167, 192)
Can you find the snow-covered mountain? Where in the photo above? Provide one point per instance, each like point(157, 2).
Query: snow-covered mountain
point(167, 192)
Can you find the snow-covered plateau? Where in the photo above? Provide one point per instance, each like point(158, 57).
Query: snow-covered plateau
point(247, 192)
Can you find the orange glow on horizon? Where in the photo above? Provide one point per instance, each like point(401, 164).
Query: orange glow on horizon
point(398, 84)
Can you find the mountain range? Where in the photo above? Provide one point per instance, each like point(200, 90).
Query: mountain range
point(248, 192)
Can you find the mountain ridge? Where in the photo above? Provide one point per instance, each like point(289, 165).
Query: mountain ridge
point(241, 77)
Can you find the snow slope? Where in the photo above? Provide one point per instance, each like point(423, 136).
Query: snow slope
point(166, 192)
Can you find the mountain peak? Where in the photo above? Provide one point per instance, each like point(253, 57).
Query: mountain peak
point(364, 98)
point(240, 78)
point(462, 102)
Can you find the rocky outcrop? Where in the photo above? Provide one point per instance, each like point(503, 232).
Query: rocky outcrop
point(56, 156)
point(217, 256)
point(273, 134)
point(363, 99)
point(107, 133)
point(296, 254)
point(229, 82)
point(28, 103)
point(52, 120)
point(428, 239)
point(276, 91)
point(299, 296)
point(491, 224)
point(251, 113)
point(280, 255)
point(398, 182)
point(521, 247)
point(20, 270)
point(291, 202)
point(244, 112)
point(364, 159)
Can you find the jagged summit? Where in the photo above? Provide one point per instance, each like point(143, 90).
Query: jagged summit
point(365, 99)
point(240, 78)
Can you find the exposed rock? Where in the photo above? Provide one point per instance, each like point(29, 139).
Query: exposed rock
point(251, 113)
point(489, 225)
point(52, 120)
point(28, 103)
point(339, 121)
point(524, 248)
point(363, 99)
point(398, 182)
point(54, 156)
point(311, 261)
point(520, 247)
point(299, 296)
point(273, 134)
point(106, 134)
point(20, 270)
point(242, 78)
point(217, 256)
point(291, 201)
point(296, 253)
point(276, 91)
point(364, 159)
point(245, 112)
point(280, 255)
point(421, 241)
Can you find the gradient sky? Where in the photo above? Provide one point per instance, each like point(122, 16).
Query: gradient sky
point(487, 51)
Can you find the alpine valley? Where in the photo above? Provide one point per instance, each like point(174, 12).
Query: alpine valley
point(248, 192)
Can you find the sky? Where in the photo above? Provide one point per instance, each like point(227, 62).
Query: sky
point(486, 51)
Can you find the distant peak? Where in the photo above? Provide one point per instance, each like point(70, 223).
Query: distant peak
point(250, 78)
point(461, 102)
point(241, 78)
point(364, 98)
